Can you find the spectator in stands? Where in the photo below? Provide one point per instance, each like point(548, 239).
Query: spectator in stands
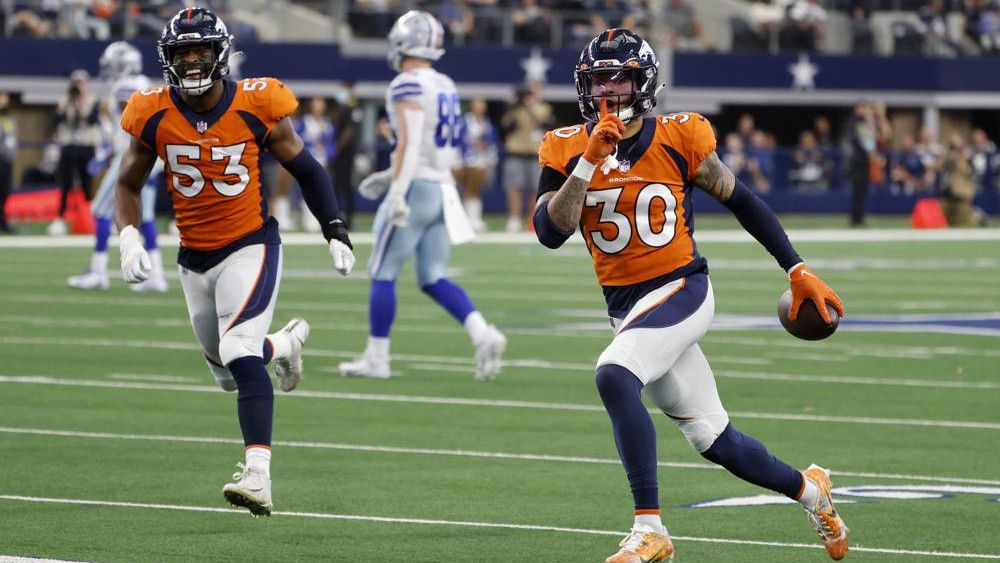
point(479, 157)
point(524, 125)
point(828, 146)
point(931, 154)
point(808, 173)
point(934, 18)
point(78, 134)
point(686, 31)
point(985, 160)
point(863, 166)
point(8, 148)
point(385, 142)
point(316, 130)
point(959, 186)
point(532, 23)
point(761, 153)
point(862, 34)
point(907, 171)
point(347, 119)
point(745, 127)
point(742, 164)
point(803, 26)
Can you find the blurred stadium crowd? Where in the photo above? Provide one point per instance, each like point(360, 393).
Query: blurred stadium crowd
point(812, 152)
point(901, 27)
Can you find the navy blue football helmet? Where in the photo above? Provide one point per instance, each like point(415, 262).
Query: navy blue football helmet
point(195, 26)
point(622, 53)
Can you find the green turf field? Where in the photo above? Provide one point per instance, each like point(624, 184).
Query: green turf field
point(114, 442)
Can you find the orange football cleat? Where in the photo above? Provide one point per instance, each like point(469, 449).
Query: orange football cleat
point(643, 547)
point(824, 517)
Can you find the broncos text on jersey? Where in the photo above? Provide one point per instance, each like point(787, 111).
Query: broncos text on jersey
point(637, 219)
point(212, 159)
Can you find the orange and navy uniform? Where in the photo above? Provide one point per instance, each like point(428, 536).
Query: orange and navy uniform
point(213, 159)
point(637, 220)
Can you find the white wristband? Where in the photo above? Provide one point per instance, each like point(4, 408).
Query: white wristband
point(793, 268)
point(584, 169)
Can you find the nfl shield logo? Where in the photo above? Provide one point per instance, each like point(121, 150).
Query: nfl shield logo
point(202, 127)
point(624, 166)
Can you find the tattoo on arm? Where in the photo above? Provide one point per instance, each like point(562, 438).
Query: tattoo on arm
point(715, 178)
point(566, 205)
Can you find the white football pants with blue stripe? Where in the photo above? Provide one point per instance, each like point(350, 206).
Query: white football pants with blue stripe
point(425, 237)
point(103, 205)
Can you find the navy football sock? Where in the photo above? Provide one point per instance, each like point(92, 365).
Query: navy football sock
point(635, 436)
point(749, 460)
point(451, 297)
point(255, 399)
point(381, 307)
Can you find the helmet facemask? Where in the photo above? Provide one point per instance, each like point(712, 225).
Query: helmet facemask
point(627, 105)
point(196, 76)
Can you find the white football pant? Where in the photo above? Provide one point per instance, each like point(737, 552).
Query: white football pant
point(231, 306)
point(658, 342)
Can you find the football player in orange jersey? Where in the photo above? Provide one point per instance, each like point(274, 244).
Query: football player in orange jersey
point(209, 131)
point(626, 180)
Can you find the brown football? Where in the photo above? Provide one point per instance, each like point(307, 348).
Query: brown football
point(809, 325)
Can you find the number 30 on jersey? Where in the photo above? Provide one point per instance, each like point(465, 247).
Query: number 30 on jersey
point(610, 214)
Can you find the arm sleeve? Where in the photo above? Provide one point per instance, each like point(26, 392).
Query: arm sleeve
point(550, 180)
point(317, 191)
point(758, 220)
point(547, 232)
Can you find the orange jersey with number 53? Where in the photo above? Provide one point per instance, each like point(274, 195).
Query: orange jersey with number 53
point(637, 219)
point(212, 159)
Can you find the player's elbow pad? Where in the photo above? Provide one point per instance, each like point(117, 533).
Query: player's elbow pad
point(546, 231)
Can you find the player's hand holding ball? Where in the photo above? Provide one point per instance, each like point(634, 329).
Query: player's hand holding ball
point(135, 259)
point(605, 136)
point(809, 321)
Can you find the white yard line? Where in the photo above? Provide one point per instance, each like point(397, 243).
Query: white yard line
point(529, 239)
point(469, 524)
point(452, 453)
point(533, 363)
point(500, 403)
point(17, 559)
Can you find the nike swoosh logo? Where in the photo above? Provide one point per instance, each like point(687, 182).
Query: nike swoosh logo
point(807, 273)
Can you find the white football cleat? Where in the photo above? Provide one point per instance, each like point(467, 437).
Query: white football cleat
point(57, 227)
point(155, 284)
point(90, 280)
point(252, 490)
point(489, 350)
point(367, 366)
point(289, 369)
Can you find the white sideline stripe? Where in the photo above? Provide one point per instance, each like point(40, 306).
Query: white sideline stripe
point(734, 236)
point(462, 401)
point(531, 363)
point(468, 524)
point(17, 559)
point(452, 452)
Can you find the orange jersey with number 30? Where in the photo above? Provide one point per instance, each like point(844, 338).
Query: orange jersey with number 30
point(212, 159)
point(637, 218)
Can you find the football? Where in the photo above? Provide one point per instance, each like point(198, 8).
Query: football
point(809, 325)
